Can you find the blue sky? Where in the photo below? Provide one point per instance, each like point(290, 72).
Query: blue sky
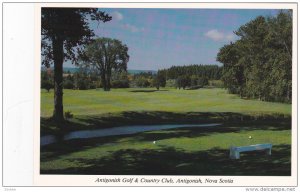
point(161, 38)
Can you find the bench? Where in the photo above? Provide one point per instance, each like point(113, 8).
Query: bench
point(235, 151)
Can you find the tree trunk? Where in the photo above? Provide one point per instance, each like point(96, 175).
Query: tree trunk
point(103, 82)
point(108, 76)
point(288, 95)
point(58, 57)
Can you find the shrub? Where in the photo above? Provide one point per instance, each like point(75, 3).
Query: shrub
point(194, 87)
point(183, 81)
point(216, 83)
point(93, 85)
point(83, 84)
point(68, 115)
point(47, 85)
point(68, 84)
point(141, 82)
point(202, 81)
point(171, 83)
point(120, 84)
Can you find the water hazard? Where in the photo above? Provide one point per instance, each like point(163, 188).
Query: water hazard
point(122, 130)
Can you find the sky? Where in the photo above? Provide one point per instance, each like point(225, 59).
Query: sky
point(161, 38)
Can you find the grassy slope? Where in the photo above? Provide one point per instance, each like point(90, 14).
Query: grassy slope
point(185, 151)
point(92, 102)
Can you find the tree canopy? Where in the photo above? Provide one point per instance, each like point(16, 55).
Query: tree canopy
point(65, 31)
point(107, 55)
point(209, 71)
point(259, 64)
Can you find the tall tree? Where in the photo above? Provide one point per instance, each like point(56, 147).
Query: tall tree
point(259, 64)
point(65, 31)
point(210, 71)
point(159, 79)
point(233, 69)
point(107, 55)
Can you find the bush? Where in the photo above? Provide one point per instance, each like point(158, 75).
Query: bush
point(93, 85)
point(98, 84)
point(68, 84)
point(68, 115)
point(83, 84)
point(216, 83)
point(141, 82)
point(47, 85)
point(120, 84)
point(194, 87)
point(183, 81)
point(171, 83)
point(202, 81)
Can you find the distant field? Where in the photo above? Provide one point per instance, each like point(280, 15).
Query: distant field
point(94, 102)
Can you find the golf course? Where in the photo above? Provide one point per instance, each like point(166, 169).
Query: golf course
point(166, 91)
point(187, 150)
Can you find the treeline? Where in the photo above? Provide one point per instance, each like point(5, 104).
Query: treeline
point(208, 71)
point(186, 77)
point(259, 64)
point(191, 76)
point(83, 80)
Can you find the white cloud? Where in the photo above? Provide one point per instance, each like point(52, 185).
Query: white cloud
point(216, 35)
point(117, 16)
point(133, 28)
point(230, 37)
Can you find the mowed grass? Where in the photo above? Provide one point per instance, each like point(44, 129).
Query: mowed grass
point(182, 151)
point(95, 102)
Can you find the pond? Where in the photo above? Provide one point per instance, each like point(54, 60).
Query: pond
point(122, 130)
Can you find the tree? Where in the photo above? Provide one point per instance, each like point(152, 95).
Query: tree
point(65, 31)
point(159, 80)
point(202, 81)
point(47, 85)
point(155, 83)
point(46, 80)
point(161, 77)
point(141, 81)
point(106, 55)
point(120, 79)
point(210, 71)
point(183, 81)
point(259, 64)
point(194, 80)
point(233, 70)
point(68, 84)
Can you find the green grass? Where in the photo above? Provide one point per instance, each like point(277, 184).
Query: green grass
point(184, 151)
point(95, 102)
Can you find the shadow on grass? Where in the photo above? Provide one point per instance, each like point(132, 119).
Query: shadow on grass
point(172, 161)
point(108, 120)
point(147, 91)
point(64, 147)
point(168, 160)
